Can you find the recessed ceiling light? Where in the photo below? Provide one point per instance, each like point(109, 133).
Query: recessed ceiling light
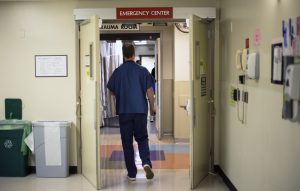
point(143, 42)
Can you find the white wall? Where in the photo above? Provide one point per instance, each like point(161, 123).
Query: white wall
point(181, 84)
point(148, 62)
point(144, 50)
point(167, 64)
point(181, 56)
point(149, 50)
point(28, 30)
point(264, 153)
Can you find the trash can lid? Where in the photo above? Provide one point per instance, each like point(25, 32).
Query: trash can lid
point(14, 124)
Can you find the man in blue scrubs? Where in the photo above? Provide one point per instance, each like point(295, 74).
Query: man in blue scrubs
point(131, 83)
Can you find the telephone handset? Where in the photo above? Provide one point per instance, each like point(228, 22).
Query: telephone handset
point(238, 62)
point(241, 59)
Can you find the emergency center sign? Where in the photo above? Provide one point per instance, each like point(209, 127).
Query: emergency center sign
point(145, 13)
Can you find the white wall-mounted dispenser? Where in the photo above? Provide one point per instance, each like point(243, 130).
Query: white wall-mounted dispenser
point(253, 66)
point(292, 82)
point(292, 89)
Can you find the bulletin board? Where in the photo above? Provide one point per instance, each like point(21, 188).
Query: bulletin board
point(51, 66)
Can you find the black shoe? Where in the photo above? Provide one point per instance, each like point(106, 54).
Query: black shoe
point(148, 171)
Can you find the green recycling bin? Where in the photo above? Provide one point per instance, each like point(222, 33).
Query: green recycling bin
point(13, 150)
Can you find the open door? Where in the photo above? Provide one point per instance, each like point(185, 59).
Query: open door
point(199, 106)
point(90, 100)
point(158, 97)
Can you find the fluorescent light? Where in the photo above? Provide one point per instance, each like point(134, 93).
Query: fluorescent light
point(143, 42)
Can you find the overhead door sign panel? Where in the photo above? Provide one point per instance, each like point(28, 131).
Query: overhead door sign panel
point(145, 13)
point(120, 27)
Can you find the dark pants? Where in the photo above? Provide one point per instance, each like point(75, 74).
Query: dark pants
point(134, 125)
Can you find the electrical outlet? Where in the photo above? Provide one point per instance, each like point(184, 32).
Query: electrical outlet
point(238, 95)
point(245, 97)
point(242, 79)
point(234, 94)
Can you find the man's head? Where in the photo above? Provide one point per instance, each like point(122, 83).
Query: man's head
point(128, 51)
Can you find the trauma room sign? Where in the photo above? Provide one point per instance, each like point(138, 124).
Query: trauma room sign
point(120, 27)
point(145, 13)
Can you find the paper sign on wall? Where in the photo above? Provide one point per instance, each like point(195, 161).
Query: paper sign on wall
point(293, 34)
point(51, 66)
point(290, 37)
point(286, 39)
point(87, 65)
point(298, 37)
point(257, 37)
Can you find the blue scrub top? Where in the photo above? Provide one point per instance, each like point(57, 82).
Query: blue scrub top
point(129, 83)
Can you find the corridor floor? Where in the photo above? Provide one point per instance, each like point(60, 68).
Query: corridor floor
point(170, 160)
point(170, 164)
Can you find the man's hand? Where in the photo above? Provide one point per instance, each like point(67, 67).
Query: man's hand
point(111, 93)
point(153, 111)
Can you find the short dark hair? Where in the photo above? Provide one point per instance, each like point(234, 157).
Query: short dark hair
point(128, 50)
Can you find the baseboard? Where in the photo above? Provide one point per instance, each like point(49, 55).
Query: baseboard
point(226, 180)
point(72, 169)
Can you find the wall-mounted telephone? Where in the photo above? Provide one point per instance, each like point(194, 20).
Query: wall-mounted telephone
point(241, 59)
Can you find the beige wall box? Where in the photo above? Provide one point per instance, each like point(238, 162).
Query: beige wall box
point(51, 66)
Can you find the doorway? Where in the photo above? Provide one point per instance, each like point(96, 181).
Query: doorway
point(111, 57)
point(166, 153)
point(198, 65)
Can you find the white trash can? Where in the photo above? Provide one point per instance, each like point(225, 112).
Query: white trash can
point(51, 148)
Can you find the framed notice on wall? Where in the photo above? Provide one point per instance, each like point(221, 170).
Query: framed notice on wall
point(51, 66)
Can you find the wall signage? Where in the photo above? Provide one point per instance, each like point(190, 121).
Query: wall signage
point(203, 85)
point(51, 65)
point(145, 13)
point(120, 27)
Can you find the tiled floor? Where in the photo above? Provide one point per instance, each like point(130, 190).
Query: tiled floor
point(170, 160)
point(170, 163)
point(164, 154)
point(165, 180)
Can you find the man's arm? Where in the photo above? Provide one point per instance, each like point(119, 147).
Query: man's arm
point(111, 93)
point(150, 96)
